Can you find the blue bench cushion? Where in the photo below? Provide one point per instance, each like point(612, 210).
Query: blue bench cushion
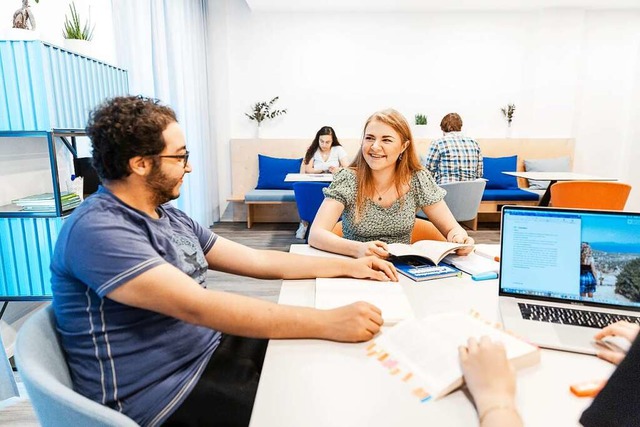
point(269, 196)
point(493, 168)
point(273, 170)
point(509, 194)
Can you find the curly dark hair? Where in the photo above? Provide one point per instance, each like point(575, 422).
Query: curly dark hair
point(315, 144)
point(125, 127)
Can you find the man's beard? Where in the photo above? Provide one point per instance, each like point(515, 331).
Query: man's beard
point(161, 186)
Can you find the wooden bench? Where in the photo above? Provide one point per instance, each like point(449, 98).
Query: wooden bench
point(244, 172)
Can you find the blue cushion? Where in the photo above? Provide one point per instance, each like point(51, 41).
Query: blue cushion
point(493, 168)
point(509, 194)
point(269, 196)
point(273, 170)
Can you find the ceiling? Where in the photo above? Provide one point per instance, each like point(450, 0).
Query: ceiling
point(433, 5)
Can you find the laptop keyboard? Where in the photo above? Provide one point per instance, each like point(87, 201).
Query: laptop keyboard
point(569, 316)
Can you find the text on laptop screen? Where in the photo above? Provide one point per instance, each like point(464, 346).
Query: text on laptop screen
point(571, 255)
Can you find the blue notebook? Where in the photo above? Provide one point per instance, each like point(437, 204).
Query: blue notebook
point(421, 269)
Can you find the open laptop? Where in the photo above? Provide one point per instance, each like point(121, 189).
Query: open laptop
point(548, 291)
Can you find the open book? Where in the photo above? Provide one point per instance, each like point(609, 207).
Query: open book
point(387, 296)
point(433, 250)
point(427, 350)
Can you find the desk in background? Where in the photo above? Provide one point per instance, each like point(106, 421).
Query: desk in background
point(315, 383)
point(306, 177)
point(554, 177)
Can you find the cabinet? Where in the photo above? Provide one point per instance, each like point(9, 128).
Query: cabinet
point(45, 98)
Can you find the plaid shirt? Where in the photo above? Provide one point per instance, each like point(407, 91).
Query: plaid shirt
point(454, 158)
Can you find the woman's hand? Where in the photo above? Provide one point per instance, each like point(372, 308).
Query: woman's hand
point(372, 267)
point(627, 330)
point(376, 247)
point(489, 376)
point(334, 169)
point(463, 237)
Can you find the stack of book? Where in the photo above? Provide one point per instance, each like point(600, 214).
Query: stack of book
point(45, 202)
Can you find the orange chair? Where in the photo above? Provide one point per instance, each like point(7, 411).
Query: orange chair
point(422, 230)
point(606, 195)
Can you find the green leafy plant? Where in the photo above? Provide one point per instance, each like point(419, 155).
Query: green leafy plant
point(421, 119)
point(508, 111)
point(73, 29)
point(261, 111)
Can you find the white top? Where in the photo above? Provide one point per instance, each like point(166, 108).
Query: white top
point(317, 383)
point(336, 154)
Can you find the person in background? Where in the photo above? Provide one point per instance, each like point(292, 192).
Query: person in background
point(140, 331)
point(379, 194)
point(491, 380)
point(454, 157)
point(324, 155)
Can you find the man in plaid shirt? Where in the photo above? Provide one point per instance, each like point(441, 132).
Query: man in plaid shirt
point(454, 157)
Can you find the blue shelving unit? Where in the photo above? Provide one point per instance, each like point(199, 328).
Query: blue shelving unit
point(46, 92)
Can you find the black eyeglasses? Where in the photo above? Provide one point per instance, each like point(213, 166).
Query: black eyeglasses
point(184, 157)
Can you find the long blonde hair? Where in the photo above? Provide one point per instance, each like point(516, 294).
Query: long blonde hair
point(407, 163)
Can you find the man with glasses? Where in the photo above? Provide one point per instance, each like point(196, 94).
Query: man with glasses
point(141, 333)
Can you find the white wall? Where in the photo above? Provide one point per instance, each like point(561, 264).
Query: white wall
point(50, 17)
point(571, 73)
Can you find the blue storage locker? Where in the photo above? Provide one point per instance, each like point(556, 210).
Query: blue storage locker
point(44, 87)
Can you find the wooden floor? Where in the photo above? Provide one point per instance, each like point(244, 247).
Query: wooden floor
point(17, 412)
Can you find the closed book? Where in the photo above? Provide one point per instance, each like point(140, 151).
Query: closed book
point(420, 269)
point(426, 350)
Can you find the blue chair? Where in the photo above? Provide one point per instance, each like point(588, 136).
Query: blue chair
point(309, 197)
point(44, 371)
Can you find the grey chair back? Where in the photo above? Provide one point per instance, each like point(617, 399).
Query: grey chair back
point(44, 371)
point(463, 199)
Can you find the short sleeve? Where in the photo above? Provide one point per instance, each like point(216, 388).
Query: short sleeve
point(340, 151)
point(425, 189)
point(343, 188)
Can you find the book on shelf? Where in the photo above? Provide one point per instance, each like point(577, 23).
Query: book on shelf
point(389, 297)
point(426, 350)
point(432, 250)
point(45, 202)
point(421, 269)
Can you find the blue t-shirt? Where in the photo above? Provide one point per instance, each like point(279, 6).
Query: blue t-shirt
point(141, 363)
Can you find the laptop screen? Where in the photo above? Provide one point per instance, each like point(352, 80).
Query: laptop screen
point(571, 255)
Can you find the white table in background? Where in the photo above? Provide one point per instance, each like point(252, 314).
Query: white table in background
point(554, 177)
point(313, 177)
point(315, 383)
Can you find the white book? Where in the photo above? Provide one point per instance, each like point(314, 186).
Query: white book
point(389, 297)
point(473, 263)
point(427, 348)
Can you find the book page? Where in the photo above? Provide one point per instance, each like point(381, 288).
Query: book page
point(433, 250)
point(389, 297)
point(473, 263)
point(429, 346)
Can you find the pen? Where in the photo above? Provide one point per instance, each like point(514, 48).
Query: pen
point(486, 255)
point(485, 276)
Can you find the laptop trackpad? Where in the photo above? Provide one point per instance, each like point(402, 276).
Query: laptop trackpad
point(577, 338)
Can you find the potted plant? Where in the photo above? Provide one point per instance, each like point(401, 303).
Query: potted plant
point(76, 35)
point(261, 111)
point(420, 128)
point(508, 112)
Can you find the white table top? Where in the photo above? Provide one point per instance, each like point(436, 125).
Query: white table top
point(314, 177)
point(322, 383)
point(559, 176)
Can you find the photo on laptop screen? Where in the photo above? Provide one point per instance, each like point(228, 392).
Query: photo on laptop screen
point(587, 256)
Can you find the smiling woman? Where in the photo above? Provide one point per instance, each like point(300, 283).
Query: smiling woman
point(379, 194)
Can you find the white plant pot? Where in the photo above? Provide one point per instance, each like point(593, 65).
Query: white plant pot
point(419, 131)
point(81, 47)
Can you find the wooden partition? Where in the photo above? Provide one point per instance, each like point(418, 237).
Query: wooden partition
point(244, 165)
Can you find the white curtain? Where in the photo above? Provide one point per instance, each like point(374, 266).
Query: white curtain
point(163, 45)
